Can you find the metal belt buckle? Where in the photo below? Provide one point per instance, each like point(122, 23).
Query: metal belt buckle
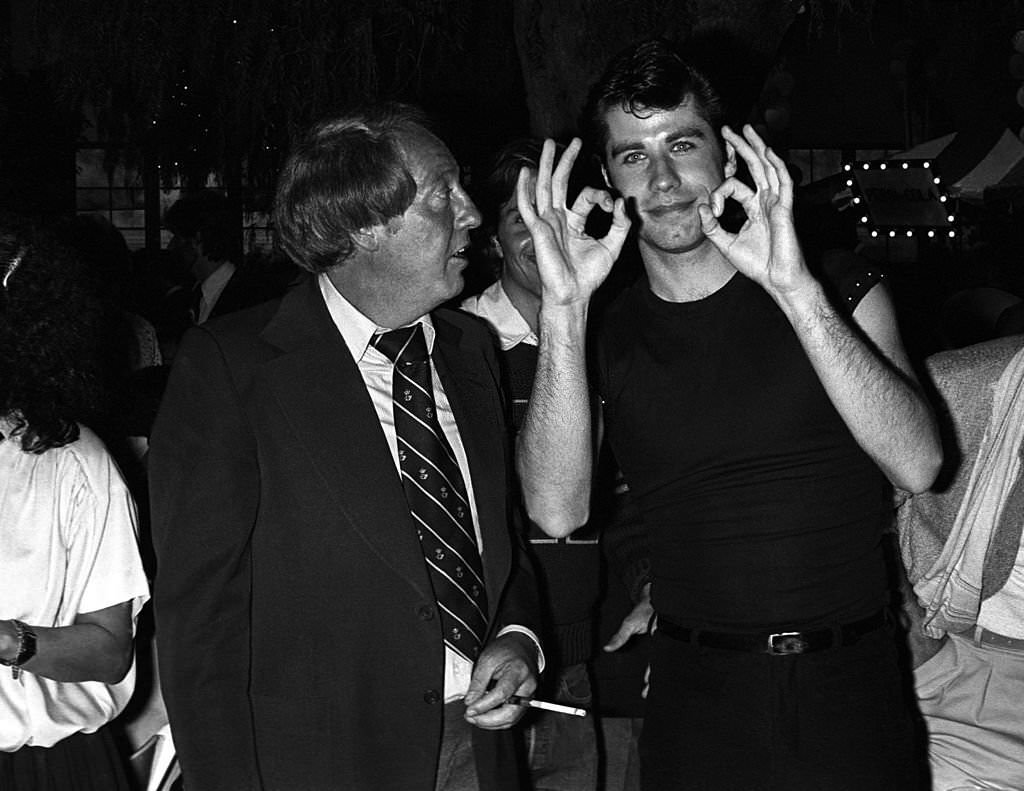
point(783, 643)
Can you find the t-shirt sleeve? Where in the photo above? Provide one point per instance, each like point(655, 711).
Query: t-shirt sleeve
point(847, 277)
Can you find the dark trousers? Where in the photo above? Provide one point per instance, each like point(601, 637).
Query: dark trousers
point(80, 762)
point(836, 719)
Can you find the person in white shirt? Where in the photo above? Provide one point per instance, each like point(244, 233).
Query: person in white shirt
point(69, 558)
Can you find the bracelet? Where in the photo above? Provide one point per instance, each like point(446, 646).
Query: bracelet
point(26, 648)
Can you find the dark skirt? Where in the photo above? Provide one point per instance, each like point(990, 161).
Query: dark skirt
point(81, 762)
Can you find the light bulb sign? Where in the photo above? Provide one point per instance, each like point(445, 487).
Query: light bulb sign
point(900, 197)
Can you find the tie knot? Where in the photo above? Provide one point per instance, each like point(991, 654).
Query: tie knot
point(404, 345)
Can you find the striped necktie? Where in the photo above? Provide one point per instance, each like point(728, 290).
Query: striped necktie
point(436, 494)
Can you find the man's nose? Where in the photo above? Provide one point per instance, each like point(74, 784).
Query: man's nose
point(663, 174)
point(467, 215)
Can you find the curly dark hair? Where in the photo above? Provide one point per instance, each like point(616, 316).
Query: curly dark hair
point(50, 320)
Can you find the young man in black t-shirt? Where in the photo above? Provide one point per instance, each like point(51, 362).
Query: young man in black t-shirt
point(756, 420)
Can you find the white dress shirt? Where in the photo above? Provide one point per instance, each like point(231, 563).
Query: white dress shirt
point(377, 371)
point(213, 286)
point(505, 319)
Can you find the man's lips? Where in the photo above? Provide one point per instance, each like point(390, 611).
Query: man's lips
point(665, 209)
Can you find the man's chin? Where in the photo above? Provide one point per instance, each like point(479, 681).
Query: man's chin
point(674, 244)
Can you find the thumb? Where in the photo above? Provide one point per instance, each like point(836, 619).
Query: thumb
point(630, 626)
point(713, 229)
point(619, 229)
point(709, 222)
point(619, 639)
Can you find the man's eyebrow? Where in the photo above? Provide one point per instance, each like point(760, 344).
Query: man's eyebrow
point(624, 146)
point(688, 131)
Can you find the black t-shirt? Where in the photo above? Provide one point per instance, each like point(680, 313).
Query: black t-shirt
point(760, 507)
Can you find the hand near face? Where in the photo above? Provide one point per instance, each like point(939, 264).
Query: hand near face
point(766, 248)
point(571, 264)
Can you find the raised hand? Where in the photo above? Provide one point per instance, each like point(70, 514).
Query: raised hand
point(571, 264)
point(766, 248)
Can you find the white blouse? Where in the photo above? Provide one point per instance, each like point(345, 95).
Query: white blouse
point(68, 545)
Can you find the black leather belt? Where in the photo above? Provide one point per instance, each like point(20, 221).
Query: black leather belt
point(777, 643)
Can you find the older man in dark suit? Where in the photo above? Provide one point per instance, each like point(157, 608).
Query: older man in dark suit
point(337, 605)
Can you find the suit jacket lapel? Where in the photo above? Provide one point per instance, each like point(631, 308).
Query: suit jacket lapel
point(322, 396)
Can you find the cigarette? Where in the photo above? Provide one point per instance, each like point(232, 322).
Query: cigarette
point(518, 700)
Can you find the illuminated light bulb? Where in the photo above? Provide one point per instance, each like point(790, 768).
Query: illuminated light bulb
point(942, 199)
point(864, 220)
point(882, 166)
point(931, 234)
point(874, 234)
point(849, 183)
point(856, 201)
point(950, 218)
point(866, 166)
point(935, 180)
point(910, 233)
point(892, 234)
point(926, 165)
point(847, 167)
point(905, 166)
point(952, 234)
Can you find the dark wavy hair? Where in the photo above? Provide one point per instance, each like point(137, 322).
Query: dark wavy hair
point(503, 173)
point(650, 75)
point(348, 172)
point(50, 320)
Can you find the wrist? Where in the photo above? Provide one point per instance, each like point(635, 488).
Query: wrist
point(802, 300)
point(24, 646)
point(9, 642)
point(560, 320)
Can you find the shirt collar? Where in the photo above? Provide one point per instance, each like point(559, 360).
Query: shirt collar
point(508, 323)
point(217, 279)
point(356, 329)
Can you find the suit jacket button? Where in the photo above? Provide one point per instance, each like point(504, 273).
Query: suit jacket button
point(431, 696)
point(425, 612)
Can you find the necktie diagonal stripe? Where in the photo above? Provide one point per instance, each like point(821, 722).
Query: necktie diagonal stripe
point(436, 494)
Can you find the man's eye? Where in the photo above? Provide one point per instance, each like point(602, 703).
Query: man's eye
point(682, 145)
point(632, 157)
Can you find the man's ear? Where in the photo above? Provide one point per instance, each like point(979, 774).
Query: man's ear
point(369, 238)
point(730, 161)
point(604, 175)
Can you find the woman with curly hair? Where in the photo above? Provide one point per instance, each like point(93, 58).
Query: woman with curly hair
point(73, 582)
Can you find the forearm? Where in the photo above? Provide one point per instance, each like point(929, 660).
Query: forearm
point(880, 403)
point(79, 652)
point(554, 453)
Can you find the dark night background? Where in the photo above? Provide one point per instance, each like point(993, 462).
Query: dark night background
point(157, 97)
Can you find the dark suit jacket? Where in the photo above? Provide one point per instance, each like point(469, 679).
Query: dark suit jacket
point(298, 639)
point(244, 289)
